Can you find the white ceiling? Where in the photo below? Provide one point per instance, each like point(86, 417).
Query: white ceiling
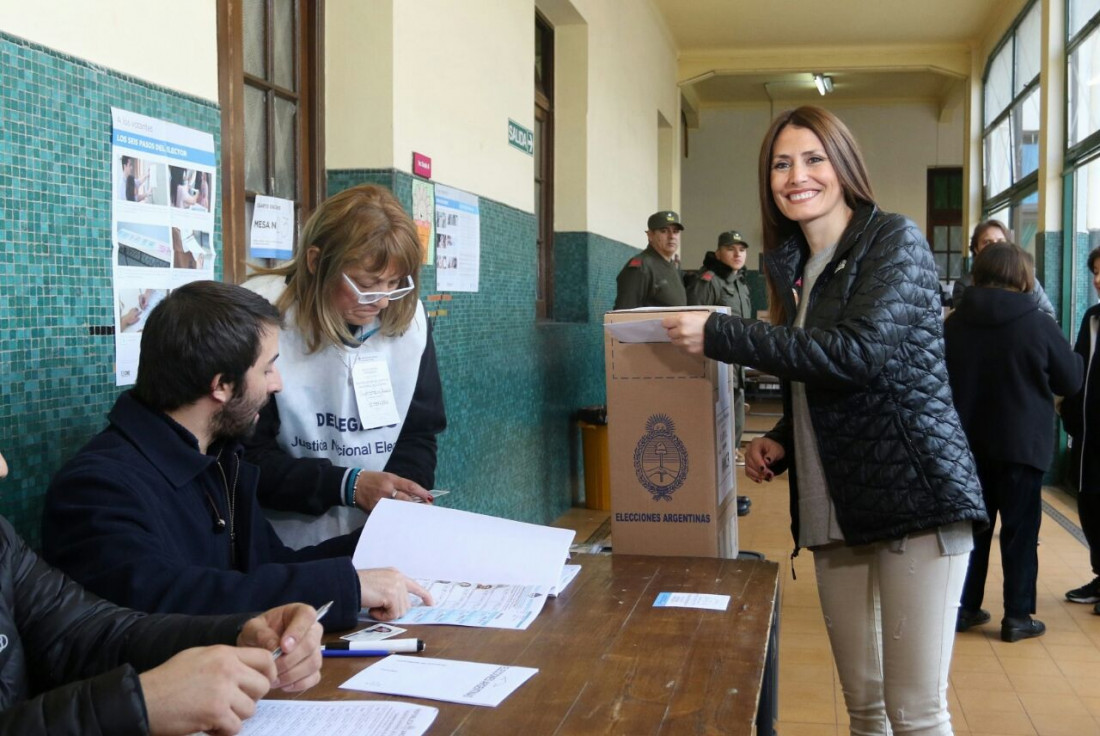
point(734, 52)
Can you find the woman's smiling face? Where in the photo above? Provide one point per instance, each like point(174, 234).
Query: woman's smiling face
point(804, 183)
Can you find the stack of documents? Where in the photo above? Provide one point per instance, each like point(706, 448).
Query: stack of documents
point(480, 570)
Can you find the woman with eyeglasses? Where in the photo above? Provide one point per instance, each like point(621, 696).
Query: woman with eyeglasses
point(361, 402)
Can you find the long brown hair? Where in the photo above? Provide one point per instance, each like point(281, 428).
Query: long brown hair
point(364, 226)
point(844, 155)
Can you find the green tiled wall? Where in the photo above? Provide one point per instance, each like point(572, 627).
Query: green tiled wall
point(511, 382)
point(1082, 287)
point(1048, 266)
point(55, 259)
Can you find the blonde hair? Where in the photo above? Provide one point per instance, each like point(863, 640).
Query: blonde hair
point(363, 226)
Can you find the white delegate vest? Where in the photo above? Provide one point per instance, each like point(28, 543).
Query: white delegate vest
point(318, 413)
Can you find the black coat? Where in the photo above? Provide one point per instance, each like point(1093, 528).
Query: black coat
point(1081, 412)
point(1007, 360)
point(895, 457)
point(70, 661)
point(132, 517)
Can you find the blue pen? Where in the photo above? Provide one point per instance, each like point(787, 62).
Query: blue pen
point(354, 653)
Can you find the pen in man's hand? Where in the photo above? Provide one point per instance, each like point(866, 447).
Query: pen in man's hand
point(320, 615)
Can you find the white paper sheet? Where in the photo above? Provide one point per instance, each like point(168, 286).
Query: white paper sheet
point(436, 543)
point(708, 601)
point(642, 330)
point(488, 605)
point(340, 718)
point(471, 683)
point(568, 572)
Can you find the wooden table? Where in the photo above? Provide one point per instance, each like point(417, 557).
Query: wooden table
point(611, 663)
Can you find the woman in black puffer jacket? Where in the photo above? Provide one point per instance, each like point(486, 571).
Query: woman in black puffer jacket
point(883, 485)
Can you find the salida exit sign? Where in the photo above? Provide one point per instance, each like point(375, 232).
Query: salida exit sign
point(521, 138)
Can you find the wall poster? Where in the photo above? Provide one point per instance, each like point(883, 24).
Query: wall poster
point(457, 240)
point(162, 221)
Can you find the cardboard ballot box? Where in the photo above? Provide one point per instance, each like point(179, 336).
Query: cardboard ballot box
point(670, 442)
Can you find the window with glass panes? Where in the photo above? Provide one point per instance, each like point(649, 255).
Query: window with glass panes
point(945, 199)
point(270, 57)
point(1082, 227)
point(1010, 119)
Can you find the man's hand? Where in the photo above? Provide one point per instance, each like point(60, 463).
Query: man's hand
point(372, 486)
point(294, 628)
point(761, 454)
point(385, 592)
point(685, 330)
point(206, 689)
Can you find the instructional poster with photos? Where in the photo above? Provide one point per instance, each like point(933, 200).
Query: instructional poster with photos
point(162, 221)
point(457, 240)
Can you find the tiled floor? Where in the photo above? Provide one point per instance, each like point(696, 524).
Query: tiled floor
point(1048, 686)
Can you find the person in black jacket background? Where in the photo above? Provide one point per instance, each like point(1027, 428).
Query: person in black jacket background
point(883, 485)
point(1081, 417)
point(986, 233)
point(1007, 360)
point(73, 663)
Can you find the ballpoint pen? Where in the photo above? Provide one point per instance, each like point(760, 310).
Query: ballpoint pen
point(320, 615)
point(388, 645)
point(355, 653)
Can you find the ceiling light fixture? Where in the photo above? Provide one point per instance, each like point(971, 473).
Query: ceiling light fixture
point(824, 84)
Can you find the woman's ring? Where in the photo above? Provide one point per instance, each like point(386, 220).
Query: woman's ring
point(394, 494)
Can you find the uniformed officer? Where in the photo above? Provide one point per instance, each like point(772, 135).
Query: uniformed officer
point(721, 281)
point(652, 278)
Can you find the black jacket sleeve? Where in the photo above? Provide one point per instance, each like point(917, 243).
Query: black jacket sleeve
point(414, 455)
point(891, 297)
point(1066, 366)
point(82, 653)
point(959, 290)
point(307, 485)
point(109, 532)
point(1073, 406)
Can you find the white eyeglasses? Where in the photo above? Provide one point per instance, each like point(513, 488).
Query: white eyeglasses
point(370, 297)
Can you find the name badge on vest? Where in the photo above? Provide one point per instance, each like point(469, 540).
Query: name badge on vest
point(373, 392)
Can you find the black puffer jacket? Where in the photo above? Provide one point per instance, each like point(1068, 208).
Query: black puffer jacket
point(69, 661)
point(871, 355)
point(1081, 413)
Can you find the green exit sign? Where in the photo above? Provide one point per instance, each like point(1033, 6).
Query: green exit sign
point(521, 138)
